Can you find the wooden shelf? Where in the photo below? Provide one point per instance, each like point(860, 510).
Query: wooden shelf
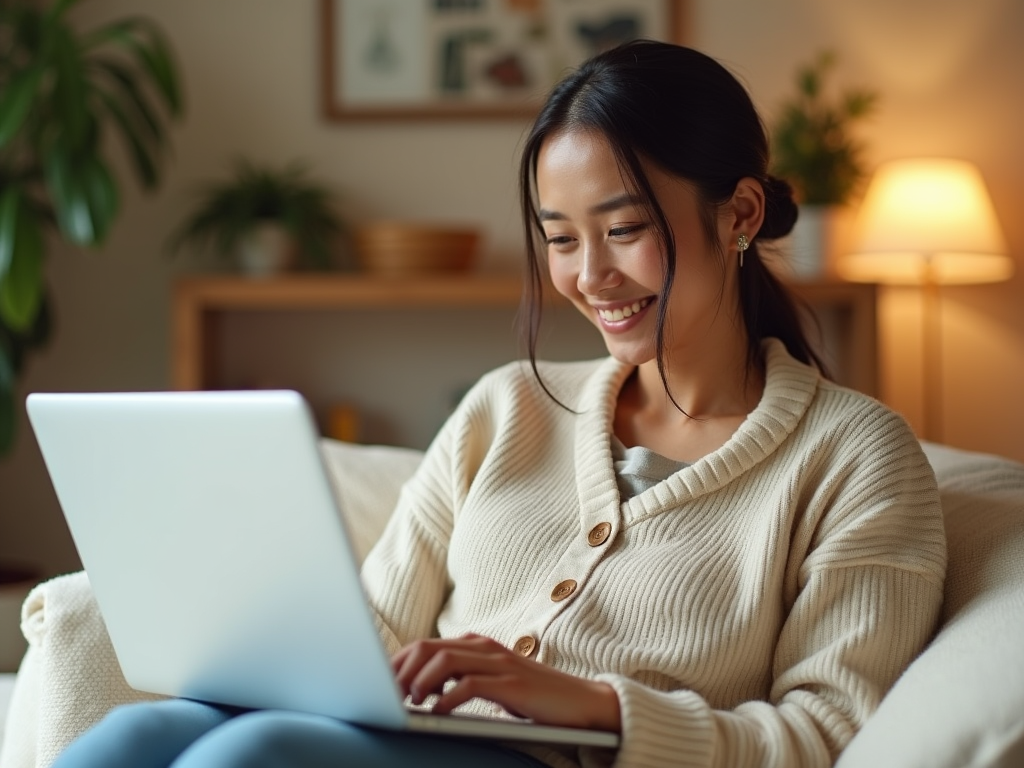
point(337, 291)
point(199, 302)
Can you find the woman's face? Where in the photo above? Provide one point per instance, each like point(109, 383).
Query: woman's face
point(604, 254)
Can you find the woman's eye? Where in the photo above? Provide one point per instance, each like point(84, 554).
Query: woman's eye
point(557, 240)
point(625, 231)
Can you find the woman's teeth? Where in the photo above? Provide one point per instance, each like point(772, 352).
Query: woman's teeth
point(614, 315)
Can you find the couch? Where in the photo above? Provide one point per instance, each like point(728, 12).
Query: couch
point(959, 705)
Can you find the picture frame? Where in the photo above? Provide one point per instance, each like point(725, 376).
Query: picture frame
point(424, 59)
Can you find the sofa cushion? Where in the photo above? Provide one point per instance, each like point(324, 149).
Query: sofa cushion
point(367, 480)
point(961, 703)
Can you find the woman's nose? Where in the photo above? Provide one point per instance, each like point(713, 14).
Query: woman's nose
point(597, 271)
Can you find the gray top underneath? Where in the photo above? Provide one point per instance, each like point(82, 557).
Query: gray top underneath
point(639, 468)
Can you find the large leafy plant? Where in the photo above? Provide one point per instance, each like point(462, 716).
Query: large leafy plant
point(61, 93)
point(813, 146)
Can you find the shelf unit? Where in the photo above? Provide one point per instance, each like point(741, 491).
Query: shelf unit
point(199, 304)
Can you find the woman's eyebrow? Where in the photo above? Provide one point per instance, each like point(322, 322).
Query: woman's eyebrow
point(624, 200)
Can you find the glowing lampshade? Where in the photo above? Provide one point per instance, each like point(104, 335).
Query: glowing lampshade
point(927, 221)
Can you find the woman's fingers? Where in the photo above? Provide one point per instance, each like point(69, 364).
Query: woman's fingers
point(420, 650)
point(499, 689)
point(538, 692)
point(409, 663)
point(424, 667)
point(483, 668)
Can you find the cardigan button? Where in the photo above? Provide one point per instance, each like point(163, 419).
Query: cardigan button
point(599, 534)
point(563, 589)
point(525, 645)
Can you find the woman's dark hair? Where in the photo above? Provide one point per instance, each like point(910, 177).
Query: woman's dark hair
point(687, 114)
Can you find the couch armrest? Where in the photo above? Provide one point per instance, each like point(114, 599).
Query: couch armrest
point(960, 703)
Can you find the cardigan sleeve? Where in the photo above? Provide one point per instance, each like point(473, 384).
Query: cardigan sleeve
point(865, 598)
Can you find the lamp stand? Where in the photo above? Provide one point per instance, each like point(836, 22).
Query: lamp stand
point(931, 357)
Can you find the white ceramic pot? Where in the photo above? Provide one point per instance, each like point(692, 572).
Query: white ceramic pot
point(806, 250)
point(264, 251)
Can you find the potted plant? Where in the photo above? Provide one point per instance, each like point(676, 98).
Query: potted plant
point(265, 218)
point(813, 148)
point(65, 98)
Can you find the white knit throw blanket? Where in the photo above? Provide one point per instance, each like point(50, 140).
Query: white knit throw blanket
point(70, 650)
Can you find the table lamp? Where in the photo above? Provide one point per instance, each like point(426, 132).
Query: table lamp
point(927, 222)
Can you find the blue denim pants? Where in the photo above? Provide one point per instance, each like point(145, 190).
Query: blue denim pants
point(189, 734)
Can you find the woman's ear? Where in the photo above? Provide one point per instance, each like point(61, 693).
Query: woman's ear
point(745, 210)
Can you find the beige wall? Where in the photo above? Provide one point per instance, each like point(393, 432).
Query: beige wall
point(951, 76)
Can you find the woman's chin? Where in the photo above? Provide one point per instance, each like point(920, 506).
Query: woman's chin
point(629, 354)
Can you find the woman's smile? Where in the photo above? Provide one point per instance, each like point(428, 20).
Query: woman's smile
point(619, 318)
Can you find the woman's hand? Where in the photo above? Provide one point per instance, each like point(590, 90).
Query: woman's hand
point(483, 668)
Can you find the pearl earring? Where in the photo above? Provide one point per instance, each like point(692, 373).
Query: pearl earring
point(742, 243)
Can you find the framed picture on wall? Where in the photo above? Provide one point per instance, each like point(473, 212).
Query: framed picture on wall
point(469, 58)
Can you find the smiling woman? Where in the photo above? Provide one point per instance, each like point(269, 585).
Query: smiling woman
point(699, 543)
point(621, 189)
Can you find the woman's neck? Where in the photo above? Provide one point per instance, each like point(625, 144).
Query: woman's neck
point(711, 383)
point(713, 388)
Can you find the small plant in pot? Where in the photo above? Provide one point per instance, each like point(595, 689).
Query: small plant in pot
point(268, 220)
point(814, 149)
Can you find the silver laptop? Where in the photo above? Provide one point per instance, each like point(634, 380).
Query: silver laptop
point(220, 562)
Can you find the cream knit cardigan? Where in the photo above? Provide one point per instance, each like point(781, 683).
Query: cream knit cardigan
point(751, 610)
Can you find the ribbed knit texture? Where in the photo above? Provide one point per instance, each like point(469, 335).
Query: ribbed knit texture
point(750, 610)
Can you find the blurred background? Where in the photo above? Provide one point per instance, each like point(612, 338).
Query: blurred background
point(950, 82)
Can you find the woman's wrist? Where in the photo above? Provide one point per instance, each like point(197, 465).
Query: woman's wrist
point(605, 714)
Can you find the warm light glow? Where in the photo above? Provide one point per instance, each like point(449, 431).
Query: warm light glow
point(927, 220)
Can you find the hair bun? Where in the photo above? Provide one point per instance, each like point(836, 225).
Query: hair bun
point(780, 209)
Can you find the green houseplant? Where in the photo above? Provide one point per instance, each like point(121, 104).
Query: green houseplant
point(62, 93)
point(812, 144)
point(814, 149)
point(233, 215)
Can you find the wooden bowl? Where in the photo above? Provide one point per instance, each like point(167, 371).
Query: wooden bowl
point(396, 248)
